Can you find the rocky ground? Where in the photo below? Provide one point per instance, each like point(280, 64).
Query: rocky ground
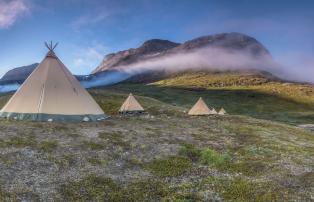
point(156, 158)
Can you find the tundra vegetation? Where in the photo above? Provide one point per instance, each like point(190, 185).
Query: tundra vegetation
point(256, 153)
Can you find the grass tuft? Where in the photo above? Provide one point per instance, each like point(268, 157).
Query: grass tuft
point(239, 189)
point(96, 161)
point(97, 188)
point(21, 142)
point(116, 139)
point(93, 145)
point(91, 188)
point(173, 166)
point(48, 145)
point(212, 158)
point(190, 151)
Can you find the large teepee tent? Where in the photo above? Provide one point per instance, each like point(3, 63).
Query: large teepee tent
point(52, 93)
point(131, 105)
point(200, 108)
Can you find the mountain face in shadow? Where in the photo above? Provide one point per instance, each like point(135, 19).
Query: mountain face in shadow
point(18, 74)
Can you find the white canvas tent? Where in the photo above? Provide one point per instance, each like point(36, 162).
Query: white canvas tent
point(52, 93)
point(213, 111)
point(222, 111)
point(200, 108)
point(131, 105)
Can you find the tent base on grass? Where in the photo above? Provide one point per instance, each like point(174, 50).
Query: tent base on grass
point(133, 113)
point(53, 117)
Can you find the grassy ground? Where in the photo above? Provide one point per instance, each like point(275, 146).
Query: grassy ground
point(165, 158)
point(166, 155)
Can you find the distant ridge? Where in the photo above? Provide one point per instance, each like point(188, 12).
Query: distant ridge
point(18, 74)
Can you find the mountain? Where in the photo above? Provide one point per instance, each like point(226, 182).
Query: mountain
point(147, 50)
point(18, 74)
point(229, 41)
point(153, 49)
point(109, 71)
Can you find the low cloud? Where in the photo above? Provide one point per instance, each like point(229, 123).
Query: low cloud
point(206, 59)
point(299, 66)
point(11, 11)
point(215, 59)
point(9, 87)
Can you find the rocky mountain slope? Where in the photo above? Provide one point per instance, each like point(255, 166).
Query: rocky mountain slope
point(147, 50)
point(156, 48)
point(18, 74)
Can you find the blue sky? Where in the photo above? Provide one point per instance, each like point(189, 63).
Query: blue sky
point(88, 29)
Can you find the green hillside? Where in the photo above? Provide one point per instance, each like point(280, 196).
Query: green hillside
point(240, 94)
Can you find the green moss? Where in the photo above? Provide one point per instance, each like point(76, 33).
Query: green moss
point(145, 190)
point(2, 143)
point(239, 189)
point(96, 161)
point(190, 151)
point(212, 158)
point(6, 196)
point(60, 128)
point(91, 188)
point(116, 139)
point(65, 161)
point(249, 167)
point(93, 145)
point(48, 145)
point(73, 135)
point(307, 179)
point(184, 192)
point(5, 160)
point(172, 166)
point(21, 142)
point(182, 197)
point(245, 134)
point(133, 162)
point(97, 188)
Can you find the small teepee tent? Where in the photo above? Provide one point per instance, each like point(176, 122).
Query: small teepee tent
point(213, 111)
point(52, 93)
point(200, 108)
point(131, 105)
point(222, 111)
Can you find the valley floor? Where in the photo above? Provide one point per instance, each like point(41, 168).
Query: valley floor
point(163, 156)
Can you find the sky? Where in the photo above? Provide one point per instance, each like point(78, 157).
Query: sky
point(89, 29)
